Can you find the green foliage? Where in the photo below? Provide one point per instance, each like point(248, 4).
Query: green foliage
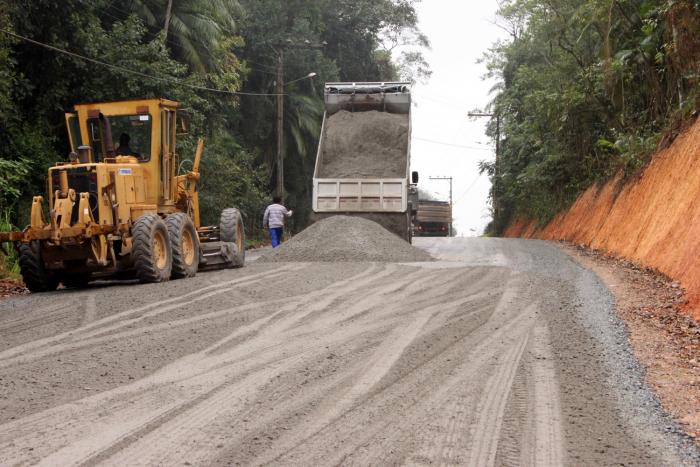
point(585, 91)
point(9, 261)
point(231, 177)
point(193, 29)
point(12, 175)
point(229, 45)
point(338, 40)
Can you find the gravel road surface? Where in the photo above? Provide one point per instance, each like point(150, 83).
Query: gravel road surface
point(502, 352)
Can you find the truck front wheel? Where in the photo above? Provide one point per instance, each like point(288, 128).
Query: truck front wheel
point(34, 274)
point(152, 252)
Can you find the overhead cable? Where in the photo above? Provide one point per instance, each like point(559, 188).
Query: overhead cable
point(134, 72)
point(450, 144)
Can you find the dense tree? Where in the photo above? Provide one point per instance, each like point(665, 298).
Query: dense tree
point(337, 40)
point(227, 45)
point(586, 89)
point(195, 30)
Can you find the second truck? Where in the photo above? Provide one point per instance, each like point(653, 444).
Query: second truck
point(433, 219)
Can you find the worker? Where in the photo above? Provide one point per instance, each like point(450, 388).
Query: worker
point(124, 149)
point(274, 220)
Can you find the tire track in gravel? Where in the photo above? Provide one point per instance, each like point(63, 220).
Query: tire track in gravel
point(462, 393)
point(379, 364)
point(75, 338)
point(196, 447)
point(90, 309)
point(486, 431)
point(173, 373)
point(549, 438)
point(135, 423)
point(395, 430)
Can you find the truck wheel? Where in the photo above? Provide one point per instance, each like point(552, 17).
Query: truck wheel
point(231, 230)
point(152, 253)
point(34, 274)
point(185, 245)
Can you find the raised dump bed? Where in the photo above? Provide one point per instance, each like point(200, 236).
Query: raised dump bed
point(363, 159)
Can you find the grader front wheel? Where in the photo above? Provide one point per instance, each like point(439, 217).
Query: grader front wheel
point(231, 230)
point(34, 274)
point(153, 257)
point(185, 245)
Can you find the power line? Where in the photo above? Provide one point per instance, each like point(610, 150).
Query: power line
point(450, 144)
point(134, 72)
point(466, 192)
point(454, 105)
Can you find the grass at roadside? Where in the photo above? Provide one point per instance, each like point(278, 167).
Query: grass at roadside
point(9, 265)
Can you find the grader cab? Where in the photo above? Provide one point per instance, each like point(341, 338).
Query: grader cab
point(123, 205)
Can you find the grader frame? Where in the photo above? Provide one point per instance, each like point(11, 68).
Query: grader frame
point(123, 211)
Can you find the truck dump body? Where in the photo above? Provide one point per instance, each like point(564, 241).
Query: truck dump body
point(362, 163)
point(368, 144)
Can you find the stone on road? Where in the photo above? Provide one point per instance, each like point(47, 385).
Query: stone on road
point(501, 352)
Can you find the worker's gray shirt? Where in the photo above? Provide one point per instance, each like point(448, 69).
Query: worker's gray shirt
point(274, 216)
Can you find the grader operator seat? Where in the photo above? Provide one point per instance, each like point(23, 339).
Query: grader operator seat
point(124, 148)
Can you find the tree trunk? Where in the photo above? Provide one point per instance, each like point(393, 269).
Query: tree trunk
point(166, 26)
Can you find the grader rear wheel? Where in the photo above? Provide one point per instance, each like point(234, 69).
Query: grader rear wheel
point(34, 274)
point(231, 230)
point(153, 257)
point(185, 245)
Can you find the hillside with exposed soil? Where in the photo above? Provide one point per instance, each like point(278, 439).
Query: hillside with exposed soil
point(652, 220)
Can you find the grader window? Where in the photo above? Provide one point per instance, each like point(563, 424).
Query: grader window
point(73, 131)
point(131, 136)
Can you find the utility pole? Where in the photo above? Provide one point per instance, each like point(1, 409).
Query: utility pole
point(279, 90)
point(166, 26)
point(496, 168)
point(450, 180)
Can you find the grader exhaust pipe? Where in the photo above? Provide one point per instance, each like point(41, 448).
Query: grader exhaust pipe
point(107, 129)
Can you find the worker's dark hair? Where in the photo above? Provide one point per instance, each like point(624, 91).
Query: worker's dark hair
point(277, 199)
point(124, 139)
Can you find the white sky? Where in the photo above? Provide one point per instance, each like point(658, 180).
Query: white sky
point(460, 31)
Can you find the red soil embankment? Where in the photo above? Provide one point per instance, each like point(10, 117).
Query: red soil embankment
point(653, 220)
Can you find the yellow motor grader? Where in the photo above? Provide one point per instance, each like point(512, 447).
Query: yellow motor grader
point(123, 205)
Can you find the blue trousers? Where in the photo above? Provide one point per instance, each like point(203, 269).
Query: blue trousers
point(276, 236)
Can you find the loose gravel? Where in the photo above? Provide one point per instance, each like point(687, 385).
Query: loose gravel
point(345, 239)
point(365, 145)
point(502, 353)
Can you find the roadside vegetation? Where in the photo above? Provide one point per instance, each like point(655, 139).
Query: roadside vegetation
point(174, 49)
point(586, 90)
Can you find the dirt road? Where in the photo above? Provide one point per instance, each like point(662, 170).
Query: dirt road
point(505, 352)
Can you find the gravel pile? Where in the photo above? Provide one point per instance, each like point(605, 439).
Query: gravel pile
point(344, 239)
point(365, 145)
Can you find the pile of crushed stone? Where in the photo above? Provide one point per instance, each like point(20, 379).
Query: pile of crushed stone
point(369, 144)
point(346, 239)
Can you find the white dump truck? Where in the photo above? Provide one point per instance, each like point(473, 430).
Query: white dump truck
point(363, 158)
